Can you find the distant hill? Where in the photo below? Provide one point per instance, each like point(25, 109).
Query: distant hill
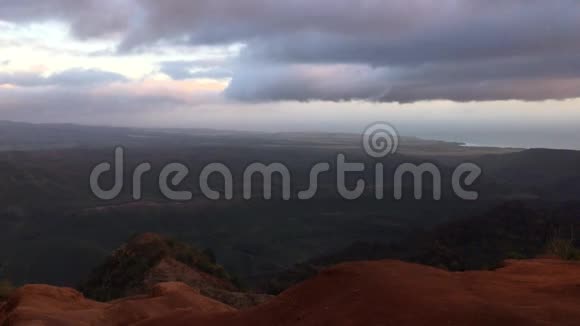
point(20, 136)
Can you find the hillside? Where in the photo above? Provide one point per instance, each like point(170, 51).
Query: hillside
point(510, 231)
point(533, 292)
point(52, 306)
point(53, 230)
point(150, 259)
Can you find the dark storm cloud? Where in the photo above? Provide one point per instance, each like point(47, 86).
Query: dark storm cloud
point(518, 78)
point(305, 83)
point(88, 18)
point(527, 90)
point(68, 78)
point(398, 50)
point(223, 21)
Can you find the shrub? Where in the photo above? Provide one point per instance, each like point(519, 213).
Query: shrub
point(6, 289)
point(562, 247)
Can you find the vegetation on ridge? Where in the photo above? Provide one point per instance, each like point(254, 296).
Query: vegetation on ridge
point(6, 289)
point(124, 272)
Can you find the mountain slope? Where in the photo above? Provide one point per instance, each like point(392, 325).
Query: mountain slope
point(149, 259)
point(52, 306)
point(533, 292)
point(512, 230)
point(536, 292)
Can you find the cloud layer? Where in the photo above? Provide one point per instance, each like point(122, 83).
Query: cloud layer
point(68, 78)
point(336, 50)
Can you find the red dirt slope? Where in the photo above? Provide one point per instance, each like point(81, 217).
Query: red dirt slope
point(41, 305)
point(536, 292)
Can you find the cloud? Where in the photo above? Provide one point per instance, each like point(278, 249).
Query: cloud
point(122, 103)
point(308, 82)
point(70, 78)
point(87, 18)
point(519, 78)
point(83, 77)
point(396, 50)
point(78, 105)
point(196, 69)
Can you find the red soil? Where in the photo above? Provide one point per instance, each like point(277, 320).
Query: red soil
point(170, 270)
point(536, 292)
point(41, 305)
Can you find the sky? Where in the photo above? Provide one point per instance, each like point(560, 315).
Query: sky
point(489, 72)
